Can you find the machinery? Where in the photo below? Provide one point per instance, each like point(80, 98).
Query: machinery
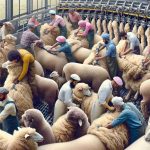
point(122, 10)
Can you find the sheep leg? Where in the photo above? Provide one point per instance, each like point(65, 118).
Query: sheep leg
point(128, 95)
point(88, 142)
point(136, 95)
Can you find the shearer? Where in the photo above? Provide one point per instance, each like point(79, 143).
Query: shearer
point(58, 21)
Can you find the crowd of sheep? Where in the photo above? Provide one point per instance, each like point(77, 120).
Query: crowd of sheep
point(74, 130)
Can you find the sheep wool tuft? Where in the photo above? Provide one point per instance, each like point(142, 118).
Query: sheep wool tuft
point(48, 37)
point(113, 139)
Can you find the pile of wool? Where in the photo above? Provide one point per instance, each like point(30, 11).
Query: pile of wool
point(113, 139)
point(21, 93)
point(70, 126)
point(50, 37)
point(141, 36)
point(99, 26)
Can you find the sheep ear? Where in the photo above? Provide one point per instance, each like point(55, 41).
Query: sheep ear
point(80, 122)
point(27, 136)
point(80, 88)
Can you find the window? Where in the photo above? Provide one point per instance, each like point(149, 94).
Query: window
point(2, 9)
point(38, 4)
point(19, 7)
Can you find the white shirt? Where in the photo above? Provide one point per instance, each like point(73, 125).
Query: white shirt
point(105, 91)
point(9, 109)
point(65, 93)
point(133, 40)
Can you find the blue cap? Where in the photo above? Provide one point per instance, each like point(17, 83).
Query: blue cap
point(105, 36)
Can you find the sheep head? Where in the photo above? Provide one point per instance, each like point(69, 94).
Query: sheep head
point(10, 39)
point(25, 139)
point(54, 75)
point(76, 116)
point(32, 118)
point(80, 91)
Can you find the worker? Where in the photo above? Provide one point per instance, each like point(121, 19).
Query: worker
point(65, 98)
point(8, 112)
point(74, 18)
point(36, 24)
point(65, 48)
point(28, 69)
point(130, 117)
point(88, 31)
point(58, 21)
point(110, 56)
point(104, 97)
point(28, 38)
point(134, 43)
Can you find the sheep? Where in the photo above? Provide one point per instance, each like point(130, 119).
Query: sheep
point(34, 118)
point(50, 37)
point(127, 27)
point(50, 62)
point(116, 31)
point(23, 139)
point(99, 27)
point(84, 98)
point(147, 34)
point(135, 29)
point(56, 77)
point(97, 138)
point(121, 27)
point(21, 93)
point(70, 126)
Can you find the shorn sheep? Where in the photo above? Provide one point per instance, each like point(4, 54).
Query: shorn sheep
point(70, 126)
point(34, 118)
point(97, 138)
point(23, 139)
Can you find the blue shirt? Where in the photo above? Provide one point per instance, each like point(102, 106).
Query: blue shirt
point(128, 117)
point(66, 48)
point(110, 49)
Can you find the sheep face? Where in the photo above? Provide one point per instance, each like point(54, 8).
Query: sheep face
point(83, 89)
point(10, 38)
point(32, 118)
point(76, 116)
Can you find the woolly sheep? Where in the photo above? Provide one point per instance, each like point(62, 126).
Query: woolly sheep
point(70, 126)
point(98, 137)
point(68, 25)
point(34, 118)
point(24, 139)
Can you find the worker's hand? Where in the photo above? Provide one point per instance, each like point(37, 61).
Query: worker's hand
point(109, 126)
point(111, 108)
point(16, 81)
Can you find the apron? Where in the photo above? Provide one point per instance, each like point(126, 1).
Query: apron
point(90, 38)
point(63, 30)
point(74, 25)
point(11, 123)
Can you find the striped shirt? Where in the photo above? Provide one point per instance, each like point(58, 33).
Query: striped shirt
point(75, 17)
point(86, 27)
point(58, 20)
point(28, 37)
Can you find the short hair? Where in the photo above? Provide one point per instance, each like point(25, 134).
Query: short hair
point(13, 55)
point(122, 34)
